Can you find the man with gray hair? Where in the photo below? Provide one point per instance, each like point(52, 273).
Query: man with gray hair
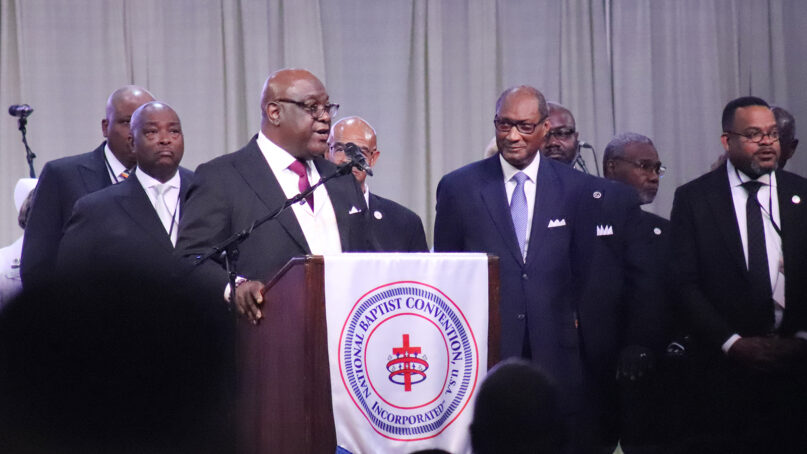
point(632, 159)
point(787, 134)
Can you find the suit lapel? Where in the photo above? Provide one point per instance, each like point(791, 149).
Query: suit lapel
point(259, 176)
point(721, 206)
point(548, 201)
point(184, 183)
point(338, 197)
point(94, 174)
point(137, 205)
point(791, 214)
point(494, 198)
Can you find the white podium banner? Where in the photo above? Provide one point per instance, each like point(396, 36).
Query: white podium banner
point(407, 341)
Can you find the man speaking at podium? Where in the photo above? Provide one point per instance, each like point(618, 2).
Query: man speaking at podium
point(284, 158)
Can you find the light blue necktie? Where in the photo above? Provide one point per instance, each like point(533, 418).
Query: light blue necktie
point(518, 211)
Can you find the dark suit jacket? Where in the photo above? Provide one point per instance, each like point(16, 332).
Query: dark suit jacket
point(232, 191)
point(395, 227)
point(570, 295)
point(709, 263)
point(117, 229)
point(62, 182)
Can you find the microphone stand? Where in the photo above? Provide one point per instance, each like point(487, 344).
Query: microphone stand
point(228, 249)
point(29, 155)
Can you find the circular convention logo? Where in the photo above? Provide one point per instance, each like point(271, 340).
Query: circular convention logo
point(408, 359)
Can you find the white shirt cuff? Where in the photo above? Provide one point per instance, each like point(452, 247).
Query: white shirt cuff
point(801, 335)
point(731, 340)
point(238, 280)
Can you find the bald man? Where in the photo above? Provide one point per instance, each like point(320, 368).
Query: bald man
point(131, 227)
point(65, 180)
point(287, 154)
point(395, 227)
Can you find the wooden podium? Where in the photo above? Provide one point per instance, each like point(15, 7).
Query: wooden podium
point(284, 391)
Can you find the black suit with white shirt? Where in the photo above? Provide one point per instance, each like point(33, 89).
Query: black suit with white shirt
point(715, 293)
point(117, 229)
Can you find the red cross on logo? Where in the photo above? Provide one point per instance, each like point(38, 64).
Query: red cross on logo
point(406, 364)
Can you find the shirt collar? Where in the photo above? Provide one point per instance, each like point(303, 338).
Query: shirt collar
point(278, 158)
point(531, 170)
point(738, 177)
point(117, 167)
point(148, 181)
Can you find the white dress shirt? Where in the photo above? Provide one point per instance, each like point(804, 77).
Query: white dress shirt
point(114, 167)
point(769, 201)
point(171, 200)
point(319, 226)
point(529, 189)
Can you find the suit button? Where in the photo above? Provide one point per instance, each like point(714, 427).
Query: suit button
point(524, 276)
point(521, 316)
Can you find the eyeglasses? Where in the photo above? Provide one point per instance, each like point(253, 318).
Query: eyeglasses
point(756, 136)
point(560, 133)
point(647, 166)
point(316, 110)
point(524, 127)
point(339, 147)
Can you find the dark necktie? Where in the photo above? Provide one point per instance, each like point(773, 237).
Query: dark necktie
point(758, 271)
point(298, 167)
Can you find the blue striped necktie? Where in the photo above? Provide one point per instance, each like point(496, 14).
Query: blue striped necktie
point(518, 211)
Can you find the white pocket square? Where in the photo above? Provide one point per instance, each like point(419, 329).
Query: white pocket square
point(605, 230)
point(353, 210)
point(556, 223)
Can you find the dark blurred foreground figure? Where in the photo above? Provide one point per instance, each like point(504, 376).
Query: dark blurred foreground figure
point(113, 368)
point(517, 412)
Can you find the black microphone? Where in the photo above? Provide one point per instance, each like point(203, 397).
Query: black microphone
point(585, 145)
point(356, 157)
point(20, 110)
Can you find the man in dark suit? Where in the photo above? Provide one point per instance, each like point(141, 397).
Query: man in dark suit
point(286, 156)
point(647, 423)
point(65, 180)
point(568, 264)
point(131, 227)
point(394, 227)
point(739, 237)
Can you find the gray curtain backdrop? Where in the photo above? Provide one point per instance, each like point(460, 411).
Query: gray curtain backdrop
point(425, 73)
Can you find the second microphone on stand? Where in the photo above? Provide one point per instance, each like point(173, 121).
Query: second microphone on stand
point(356, 158)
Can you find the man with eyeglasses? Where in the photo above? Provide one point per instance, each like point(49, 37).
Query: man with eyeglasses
point(394, 227)
point(632, 159)
point(566, 249)
point(560, 142)
point(285, 157)
point(739, 236)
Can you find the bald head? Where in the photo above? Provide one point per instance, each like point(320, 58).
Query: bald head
point(120, 106)
point(359, 132)
point(156, 140)
point(788, 142)
point(521, 123)
point(294, 113)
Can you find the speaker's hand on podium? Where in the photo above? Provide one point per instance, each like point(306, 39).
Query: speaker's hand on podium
point(248, 299)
